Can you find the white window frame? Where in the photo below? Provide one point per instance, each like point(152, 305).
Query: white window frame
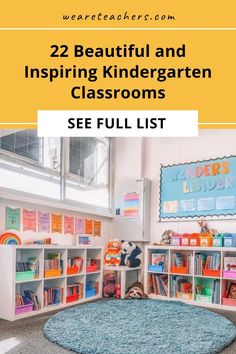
point(31, 168)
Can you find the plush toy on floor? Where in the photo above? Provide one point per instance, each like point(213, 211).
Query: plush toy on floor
point(136, 291)
point(130, 254)
point(109, 285)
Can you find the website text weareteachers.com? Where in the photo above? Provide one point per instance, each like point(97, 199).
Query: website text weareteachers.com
point(117, 17)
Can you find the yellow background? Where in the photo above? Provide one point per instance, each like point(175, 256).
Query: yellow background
point(48, 13)
point(213, 98)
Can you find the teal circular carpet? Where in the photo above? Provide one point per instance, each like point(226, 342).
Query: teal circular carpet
point(140, 327)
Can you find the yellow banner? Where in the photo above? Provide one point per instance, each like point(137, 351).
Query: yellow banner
point(33, 77)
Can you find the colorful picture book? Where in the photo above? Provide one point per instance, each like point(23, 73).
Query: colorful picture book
point(180, 284)
point(204, 261)
point(160, 259)
point(213, 261)
point(75, 262)
point(200, 263)
point(158, 284)
point(52, 296)
point(75, 289)
point(31, 265)
point(230, 263)
point(28, 298)
point(183, 260)
point(230, 291)
point(54, 261)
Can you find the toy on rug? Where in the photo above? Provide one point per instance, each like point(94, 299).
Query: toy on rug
point(136, 291)
point(112, 255)
point(109, 285)
point(130, 254)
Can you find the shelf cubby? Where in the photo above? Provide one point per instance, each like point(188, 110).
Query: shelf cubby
point(92, 286)
point(158, 261)
point(229, 272)
point(226, 289)
point(214, 285)
point(34, 288)
point(207, 290)
point(12, 286)
point(75, 288)
point(54, 262)
point(29, 264)
point(54, 292)
point(76, 260)
point(181, 262)
point(205, 267)
point(181, 287)
point(158, 284)
point(93, 260)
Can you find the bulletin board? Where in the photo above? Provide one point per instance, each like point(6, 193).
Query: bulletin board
point(198, 189)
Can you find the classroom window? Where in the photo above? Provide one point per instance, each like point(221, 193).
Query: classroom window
point(30, 164)
point(87, 177)
point(35, 163)
point(24, 143)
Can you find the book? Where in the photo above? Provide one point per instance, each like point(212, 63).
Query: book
point(75, 262)
point(28, 298)
point(180, 284)
point(32, 264)
point(232, 291)
point(160, 259)
point(230, 263)
point(200, 262)
point(204, 261)
point(54, 261)
point(52, 296)
point(216, 292)
point(29, 294)
point(158, 284)
point(75, 289)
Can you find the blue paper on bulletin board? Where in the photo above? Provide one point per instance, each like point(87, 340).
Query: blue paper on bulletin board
point(198, 189)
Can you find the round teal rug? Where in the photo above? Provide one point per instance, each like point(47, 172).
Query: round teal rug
point(140, 327)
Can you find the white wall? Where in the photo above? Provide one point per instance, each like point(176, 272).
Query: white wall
point(56, 238)
point(142, 158)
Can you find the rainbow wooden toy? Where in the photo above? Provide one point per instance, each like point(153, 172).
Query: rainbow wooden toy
point(8, 238)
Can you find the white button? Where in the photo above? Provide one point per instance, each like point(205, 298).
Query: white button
point(118, 123)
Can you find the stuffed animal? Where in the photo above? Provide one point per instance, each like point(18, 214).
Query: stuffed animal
point(109, 285)
point(113, 253)
point(130, 254)
point(166, 237)
point(205, 229)
point(136, 291)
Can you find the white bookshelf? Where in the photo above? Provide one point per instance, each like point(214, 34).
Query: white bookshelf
point(9, 255)
point(194, 278)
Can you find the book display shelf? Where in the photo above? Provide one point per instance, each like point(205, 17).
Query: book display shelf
point(42, 278)
point(204, 276)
